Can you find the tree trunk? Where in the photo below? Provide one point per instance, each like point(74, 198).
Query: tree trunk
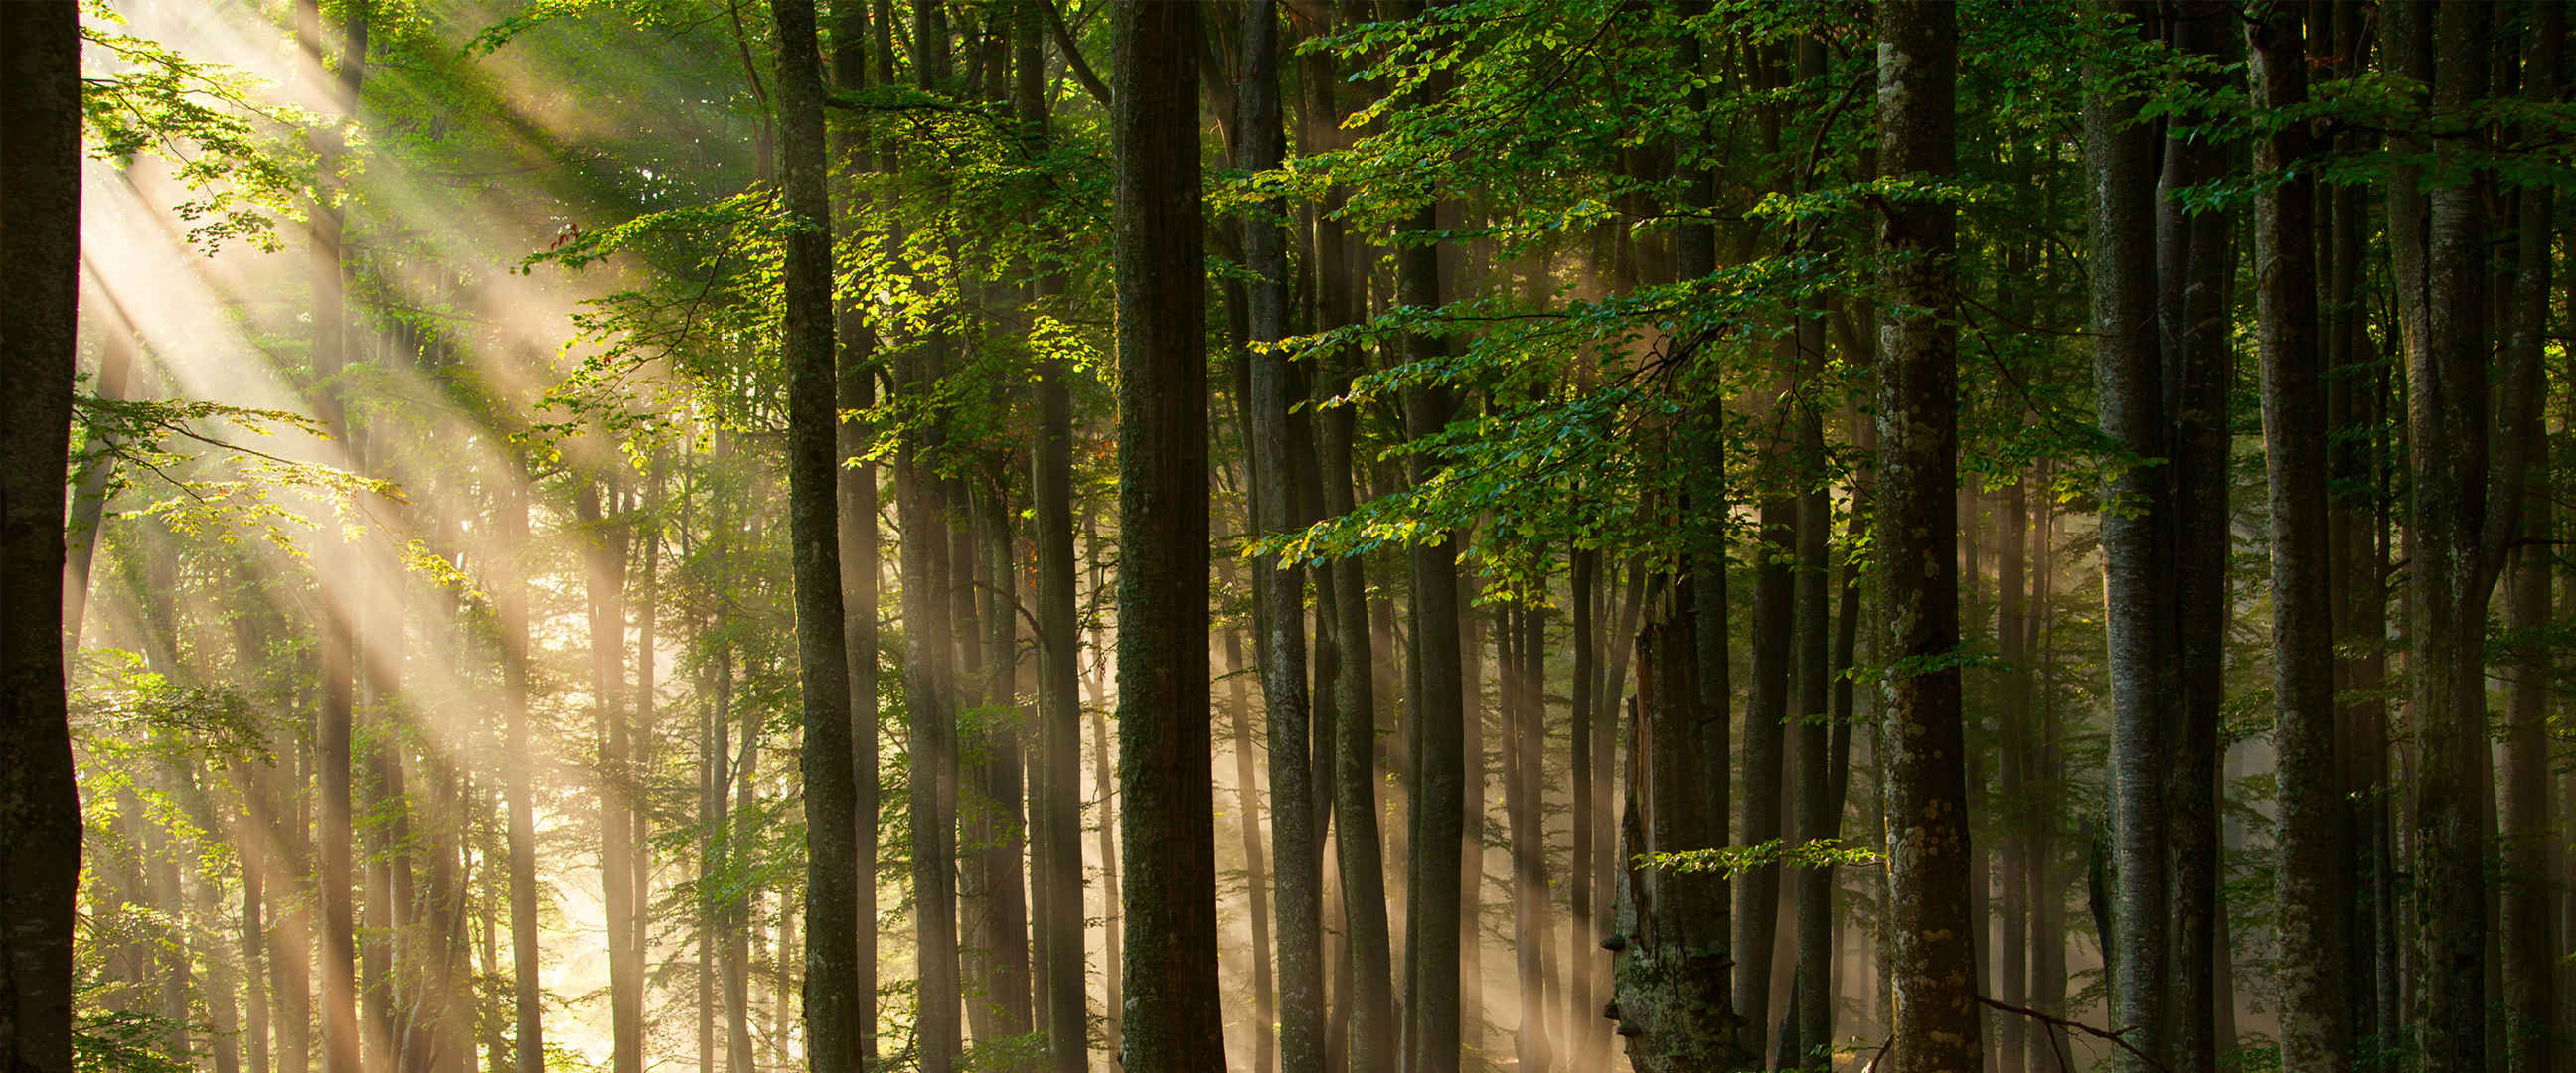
point(40, 819)
point(1584, 930)
point(2195, 263)
point(1519, 675)
point(2530, 941)
point(1295, 825)
point(2120, 153)
point(1436, 883)
point(1056, 834)
point(604, 551)
point(1247, 816)
point(339, 990)
point(856, 528)
point(2456, 541)
point(2310, 902)
point(1933, 968)
point(1173, 1021)
point(1372, 1029)
point(510, 603)
point(1669, 983)
point(837, 1004)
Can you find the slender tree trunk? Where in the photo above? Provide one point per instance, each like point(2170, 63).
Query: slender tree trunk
point(93, 474)
point(1005, 792)
point(1757, 893)
point(838, 1004)
point(605, 539)
point(1296, 826)
point(1247, 815)
point(1173, 1023)
point(339, 990)
point(2529, 936)
point(2120, 154)
point(2310, 903)
point(1531, 939)
point(1373, 1030)
point(1934, 967)
point(1103, 776)
point(510, 600)
point(1056, 841)
point(1437, 812)
point(1584, 929)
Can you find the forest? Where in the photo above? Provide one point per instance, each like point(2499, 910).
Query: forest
point(1287, 536)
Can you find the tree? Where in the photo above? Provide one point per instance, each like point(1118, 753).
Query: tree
point(40, 817)
point(1296, 833)
point(838, 1004)
point(1171, 1022)
point(1934, 968)
point(2294, 432)
point(1056, 845)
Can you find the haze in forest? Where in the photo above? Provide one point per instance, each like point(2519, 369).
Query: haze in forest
point(1286, 536)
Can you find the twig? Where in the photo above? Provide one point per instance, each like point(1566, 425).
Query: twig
point(2118, 1037)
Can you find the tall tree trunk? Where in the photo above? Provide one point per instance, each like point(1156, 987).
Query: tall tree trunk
point(1584, 929)
point(40, 819)
point(1295, 825)
point(1524, 721)
point(1933, 967)
point(1813, 887)
point(1437, 881)
point(2014, 933)
point(1056, 841)
point(855, 392)
point(1005, 793)
point(1173, 1023)
point(2121, 152)
point(1103, 776)
point(605, 539)
point(1247, 815)
point(2195, 264)
point(931, 701)
point(510, 603)
point(1370, 1001)
point(338, 642)
point(2310, 900)
point(2530, 941)
point(2464, 508)
point(838, 1005)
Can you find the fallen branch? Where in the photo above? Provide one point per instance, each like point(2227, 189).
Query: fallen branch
point(2116, 1037)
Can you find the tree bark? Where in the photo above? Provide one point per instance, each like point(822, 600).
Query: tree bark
point(1295, 827)
point(2530, 941)
point(337, 645)
point(2196, 266)
point(1056, 842)
point(1172, 1020)
point(2120, 154)
point(2310, 903)
point(859, 545)
point(2459, 525)
point(40, 819)
point(1934, 967)
point(1669, 943)
point(837, 1004)
point(1247, 816)
point(1439, 873)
